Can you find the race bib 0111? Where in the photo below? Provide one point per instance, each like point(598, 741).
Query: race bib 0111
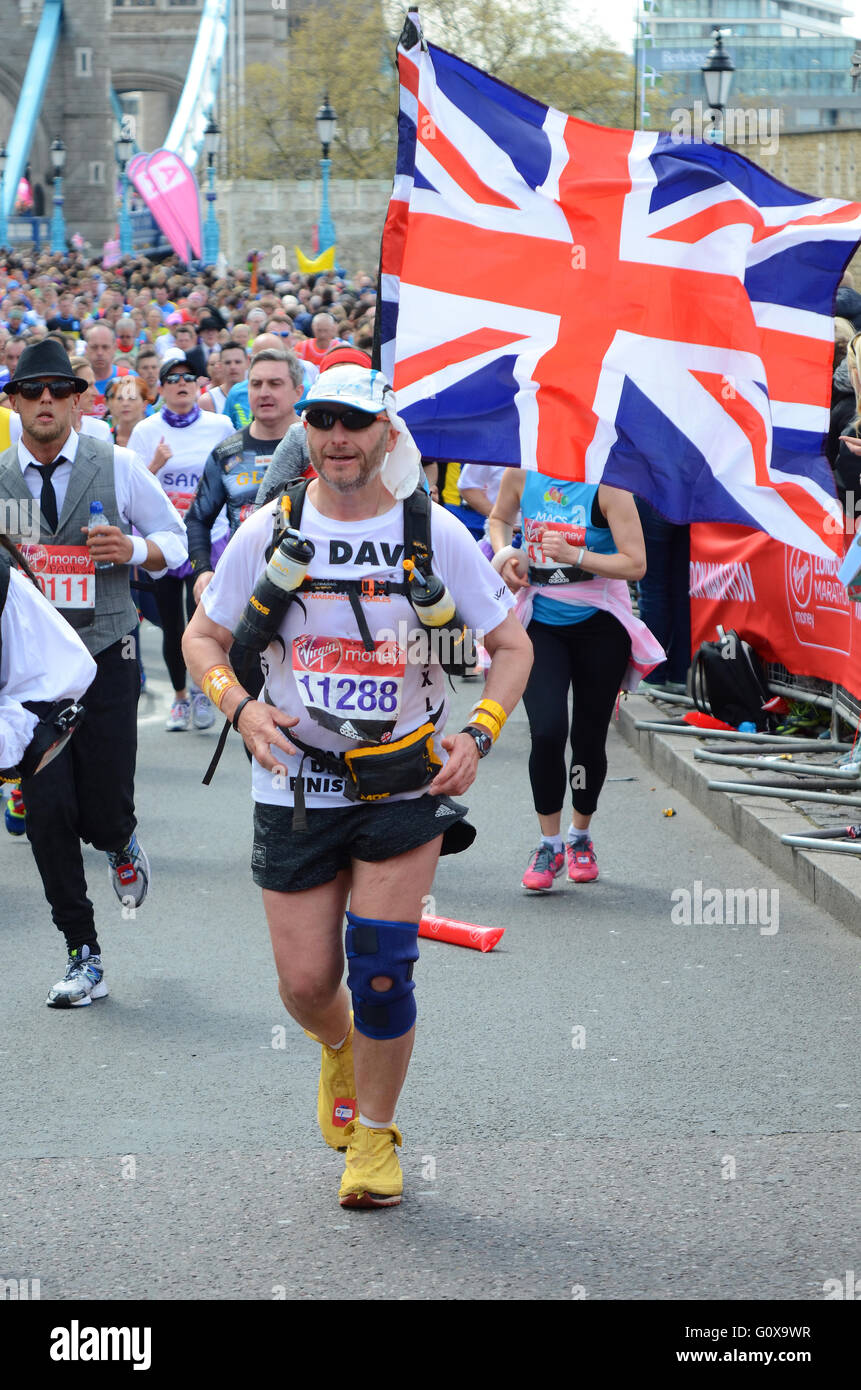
point(353, 692)
point(66, 574)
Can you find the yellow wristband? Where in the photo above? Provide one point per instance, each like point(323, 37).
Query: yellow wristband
point(492, 708)
point(485, 721)
point(216, 683)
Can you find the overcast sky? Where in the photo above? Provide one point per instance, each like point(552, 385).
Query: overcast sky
point(616, 18)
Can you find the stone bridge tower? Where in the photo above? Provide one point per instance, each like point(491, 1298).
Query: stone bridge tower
point(140, 49)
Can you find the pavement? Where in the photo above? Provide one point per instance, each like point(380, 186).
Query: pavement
point(617, 1103)
point(831, 881)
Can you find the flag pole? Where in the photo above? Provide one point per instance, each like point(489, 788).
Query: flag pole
point(410, 35)
point(636, 61)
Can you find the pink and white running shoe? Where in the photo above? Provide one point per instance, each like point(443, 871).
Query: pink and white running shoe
point(544, 866)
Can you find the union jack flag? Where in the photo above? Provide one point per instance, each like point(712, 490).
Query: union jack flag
point(609, 305)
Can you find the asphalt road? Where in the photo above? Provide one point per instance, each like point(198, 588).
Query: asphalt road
point(610, 1105)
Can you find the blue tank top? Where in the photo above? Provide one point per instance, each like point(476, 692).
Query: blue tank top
point(567, 507)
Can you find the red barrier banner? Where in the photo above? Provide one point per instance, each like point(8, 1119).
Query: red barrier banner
point(789, 605)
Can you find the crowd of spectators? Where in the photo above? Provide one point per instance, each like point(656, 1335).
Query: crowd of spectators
point(130, 319)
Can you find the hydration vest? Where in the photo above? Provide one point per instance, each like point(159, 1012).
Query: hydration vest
point(418, 551)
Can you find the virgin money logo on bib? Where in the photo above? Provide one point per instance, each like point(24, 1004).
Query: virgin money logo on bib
point(38, 558)
point(318, 654)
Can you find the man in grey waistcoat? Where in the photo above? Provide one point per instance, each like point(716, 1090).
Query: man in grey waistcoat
point(87, 792)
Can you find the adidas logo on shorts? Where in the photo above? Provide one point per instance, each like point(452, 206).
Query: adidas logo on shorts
point(558, 577)
point(444, 811)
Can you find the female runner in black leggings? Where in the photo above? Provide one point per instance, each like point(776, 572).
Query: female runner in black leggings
point(573, 533)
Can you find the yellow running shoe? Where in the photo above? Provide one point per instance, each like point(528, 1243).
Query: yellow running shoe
point(336, 1096)
point(372, 1174)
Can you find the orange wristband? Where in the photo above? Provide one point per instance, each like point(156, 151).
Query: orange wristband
point(216, 683)
point(485, 721)
point(493, 709)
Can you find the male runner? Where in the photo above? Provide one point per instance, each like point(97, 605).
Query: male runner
point(336, 691)
point(235, 468)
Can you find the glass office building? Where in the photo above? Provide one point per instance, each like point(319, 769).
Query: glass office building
point(795, 56)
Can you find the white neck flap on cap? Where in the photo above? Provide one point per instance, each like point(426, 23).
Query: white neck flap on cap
point(402, 468)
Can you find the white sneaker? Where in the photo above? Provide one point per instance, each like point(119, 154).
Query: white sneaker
point(82, 983)
point(129, 873)
point(179, 717)
point(202, 711)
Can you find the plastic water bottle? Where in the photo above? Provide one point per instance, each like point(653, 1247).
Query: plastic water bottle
point(433, 604)
point(289, 563)
point(97, 519)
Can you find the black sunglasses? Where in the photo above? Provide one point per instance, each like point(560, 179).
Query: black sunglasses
point(321, 419)
point(32, 390)
point(174, 377)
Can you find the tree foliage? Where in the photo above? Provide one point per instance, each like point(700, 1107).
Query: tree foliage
point(346, 50)
point(342, 50)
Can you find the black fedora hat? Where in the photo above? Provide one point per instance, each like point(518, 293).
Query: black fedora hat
point(39, 360)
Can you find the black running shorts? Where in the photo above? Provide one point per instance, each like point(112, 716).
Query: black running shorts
point(289, 861)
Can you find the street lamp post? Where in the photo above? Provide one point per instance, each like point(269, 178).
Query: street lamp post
point(717, 74)
point(325, 122)
point(124, 148)
point(211, 143)
point(58, 226)
point(4, 230)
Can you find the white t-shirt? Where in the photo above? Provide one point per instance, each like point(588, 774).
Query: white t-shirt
point(43, 658)
point(323, 665)
point(487, 477)
point(191, 445)
point(96, 429)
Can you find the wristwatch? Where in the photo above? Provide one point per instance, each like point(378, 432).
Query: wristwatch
point(483, 741)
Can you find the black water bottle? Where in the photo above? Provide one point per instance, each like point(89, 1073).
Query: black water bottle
point(273, 592)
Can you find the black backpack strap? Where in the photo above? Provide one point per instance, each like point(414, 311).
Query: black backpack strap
point(699, 693)
point(417, 530)
point(296, 493)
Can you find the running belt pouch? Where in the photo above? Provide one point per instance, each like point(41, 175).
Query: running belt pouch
point(404, 766)
point(57, 723)
point(729, 682)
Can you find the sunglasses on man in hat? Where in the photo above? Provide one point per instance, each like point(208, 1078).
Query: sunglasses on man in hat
point(45, 364)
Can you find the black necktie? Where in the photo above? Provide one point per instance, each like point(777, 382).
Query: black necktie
point(48, 498)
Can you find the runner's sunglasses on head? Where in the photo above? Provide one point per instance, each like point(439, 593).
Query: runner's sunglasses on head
point(32, 390)
point(321, 418)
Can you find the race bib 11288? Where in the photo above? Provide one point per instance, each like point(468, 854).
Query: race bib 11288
point(354, 692)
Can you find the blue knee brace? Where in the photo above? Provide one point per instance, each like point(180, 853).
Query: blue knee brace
point(382, 948)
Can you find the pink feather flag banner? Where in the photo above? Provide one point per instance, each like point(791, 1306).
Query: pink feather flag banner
point(170, 191)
